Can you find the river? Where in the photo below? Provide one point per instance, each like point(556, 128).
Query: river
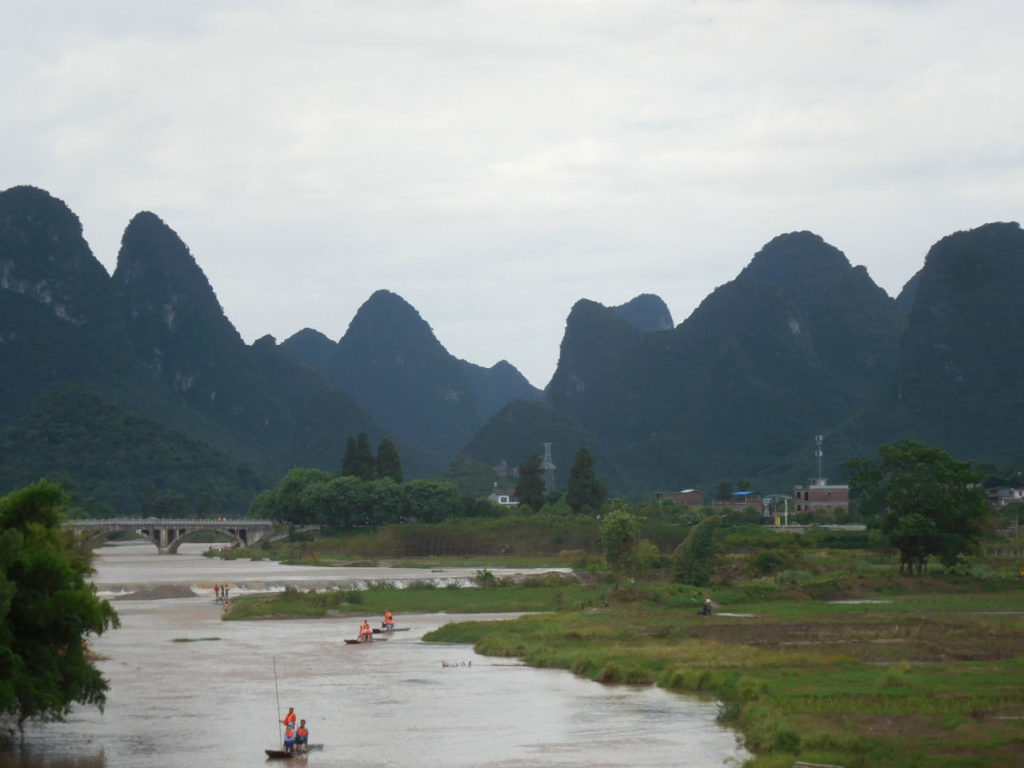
point(188, 690)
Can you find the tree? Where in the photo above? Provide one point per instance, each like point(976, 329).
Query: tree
point(586, 493)
point(694, 559)
point(619, 534)
point(359, 461)
point(530, 488)
point(46, 610)
point(724, 491)
point(915, 537)
point(912, 483)
point(389, 464)
point(290, 501)
point(349, 501)
point(431, 502)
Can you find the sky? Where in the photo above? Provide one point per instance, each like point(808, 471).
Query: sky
point(494, 162)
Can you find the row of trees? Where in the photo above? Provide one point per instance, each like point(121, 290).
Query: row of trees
point(313, 496)
point(585, 495)
point(360, 462)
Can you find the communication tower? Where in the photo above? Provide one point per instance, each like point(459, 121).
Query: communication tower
point(548, 467)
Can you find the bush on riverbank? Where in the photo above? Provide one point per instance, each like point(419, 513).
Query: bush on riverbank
point(550, 593)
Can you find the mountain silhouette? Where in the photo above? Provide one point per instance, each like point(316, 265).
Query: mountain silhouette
point(146, 364)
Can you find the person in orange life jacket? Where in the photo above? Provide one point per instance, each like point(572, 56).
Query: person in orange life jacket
point(289, 737)
point(365, 631)
point(289, 719)
point(301, 737)
point(389, 620)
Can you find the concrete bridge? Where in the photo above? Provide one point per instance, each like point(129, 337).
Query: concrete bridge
point(168, 535)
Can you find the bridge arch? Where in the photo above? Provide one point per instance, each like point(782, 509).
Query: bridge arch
point(168, 535)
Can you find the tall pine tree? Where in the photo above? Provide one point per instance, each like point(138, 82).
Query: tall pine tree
point(389, 464)
point(586, 493)
point(530, 488)
point(359, 461)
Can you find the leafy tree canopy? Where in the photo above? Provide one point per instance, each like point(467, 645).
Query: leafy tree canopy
point(933, 504)
point(46, 611)
point(620, 530)
point(312, 496)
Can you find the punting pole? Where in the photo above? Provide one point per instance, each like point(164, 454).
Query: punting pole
point(278, 697)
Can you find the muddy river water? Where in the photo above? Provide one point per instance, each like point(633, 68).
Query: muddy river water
point(188, 690)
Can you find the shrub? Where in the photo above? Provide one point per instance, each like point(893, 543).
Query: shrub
point(772, 560)
point(693, 560)
point(484, 578)
point(765, 731)
point(649, 556)
point(687, 679)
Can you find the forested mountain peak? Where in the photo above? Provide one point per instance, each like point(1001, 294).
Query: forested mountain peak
point(390, 321)
point(594, 337)
point(957, 380)
point(801, 264)
point(180, 332)
point(310, 345)
point(966, 328)
point(390, 361)
point(995, 245)
point(164, 293)
point(647, 312)
point(44, 256)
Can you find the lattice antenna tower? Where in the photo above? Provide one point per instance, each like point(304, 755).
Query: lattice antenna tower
point(817, 452)
point(548, 466)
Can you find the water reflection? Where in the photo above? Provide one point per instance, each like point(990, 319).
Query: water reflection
point(190, 690)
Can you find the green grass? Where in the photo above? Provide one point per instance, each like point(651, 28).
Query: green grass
point(421, 598)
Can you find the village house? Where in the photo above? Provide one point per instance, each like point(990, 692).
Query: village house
point(1003, 495)
point(819, 496)
point(507, 498)
point(740, 500)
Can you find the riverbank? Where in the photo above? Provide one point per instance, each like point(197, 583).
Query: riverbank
point(888, 672)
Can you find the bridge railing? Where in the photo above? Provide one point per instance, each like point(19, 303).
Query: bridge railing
point(159, 522)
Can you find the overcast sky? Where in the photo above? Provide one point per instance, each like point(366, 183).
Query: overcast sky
point(494, 162)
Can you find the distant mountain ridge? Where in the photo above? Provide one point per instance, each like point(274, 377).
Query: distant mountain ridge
point(800, 343)
point(152, 339)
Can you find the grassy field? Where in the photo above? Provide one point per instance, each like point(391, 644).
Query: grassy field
point(858, 668)
point(931, 678)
